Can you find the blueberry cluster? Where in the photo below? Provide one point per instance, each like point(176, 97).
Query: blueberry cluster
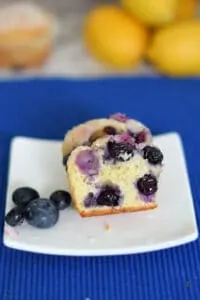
point(124, 151)
point(147, 184)
point(39, 212)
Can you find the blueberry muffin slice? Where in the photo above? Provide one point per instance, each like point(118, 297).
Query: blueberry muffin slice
point(114, 175)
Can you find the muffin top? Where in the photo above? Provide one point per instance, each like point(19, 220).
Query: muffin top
point(21, 16)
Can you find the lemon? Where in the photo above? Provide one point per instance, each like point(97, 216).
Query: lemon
point(114, 38)
point(152, 12)
point(186, 9)
point(175, 49)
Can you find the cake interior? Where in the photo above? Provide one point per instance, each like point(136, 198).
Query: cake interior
point(99, 180)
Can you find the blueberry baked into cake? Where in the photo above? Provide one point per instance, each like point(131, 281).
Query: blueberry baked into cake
point(88, 132)
point(116, 172)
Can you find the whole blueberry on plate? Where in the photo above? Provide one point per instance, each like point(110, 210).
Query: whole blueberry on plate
point(22, 196)
point(15, 217)
point(61, 199)
point(41, 213)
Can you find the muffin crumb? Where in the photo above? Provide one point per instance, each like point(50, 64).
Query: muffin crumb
point(107, 227)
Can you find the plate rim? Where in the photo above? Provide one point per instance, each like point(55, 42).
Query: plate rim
point(110, 252)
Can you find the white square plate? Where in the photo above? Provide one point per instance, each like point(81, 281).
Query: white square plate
point(37, 163)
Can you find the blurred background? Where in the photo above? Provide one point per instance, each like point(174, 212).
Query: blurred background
point(61, 7)
point(94, 38)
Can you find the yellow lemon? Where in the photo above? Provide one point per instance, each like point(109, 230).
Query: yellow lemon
point(186, 9)
point(175, 49)
point(152, 12)
point(113, 37)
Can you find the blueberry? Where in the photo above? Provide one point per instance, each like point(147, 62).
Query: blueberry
point(153, 154)
point(89, 200)
point(110, 130)
point(22, 196)
point(119, 117)
point(132, 134)
point(61, 199)
point(41, 213)
point(109, 197)
point(140, 137)
point(88, 162)
point(15, 217)
point(121, 151)
point(147, 185)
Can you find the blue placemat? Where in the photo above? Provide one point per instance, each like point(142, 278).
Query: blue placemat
point(46, 109)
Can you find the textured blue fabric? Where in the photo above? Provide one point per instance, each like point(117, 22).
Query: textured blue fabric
point(46, 109)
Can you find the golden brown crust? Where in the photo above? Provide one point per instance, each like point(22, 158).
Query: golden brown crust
point(112, 211)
